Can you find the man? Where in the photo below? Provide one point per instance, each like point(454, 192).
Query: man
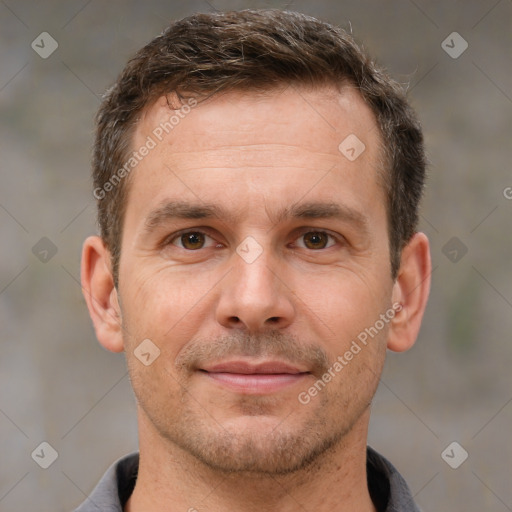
point(258, 180)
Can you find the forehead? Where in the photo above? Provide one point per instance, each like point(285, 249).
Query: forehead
point(240, 142)
point(286, 112)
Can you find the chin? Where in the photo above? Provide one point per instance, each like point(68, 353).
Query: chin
point(264, 445)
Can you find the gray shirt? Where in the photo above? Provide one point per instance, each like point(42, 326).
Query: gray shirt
point(387, 488)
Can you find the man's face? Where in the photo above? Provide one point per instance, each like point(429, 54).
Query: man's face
point(254, 253)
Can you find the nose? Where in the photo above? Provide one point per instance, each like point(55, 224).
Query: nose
point(255, 296)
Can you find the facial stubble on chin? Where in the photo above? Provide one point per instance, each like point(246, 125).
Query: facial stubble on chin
point(283, 450)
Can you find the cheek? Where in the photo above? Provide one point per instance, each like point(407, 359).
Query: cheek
point(164, 305)
point(342, 302)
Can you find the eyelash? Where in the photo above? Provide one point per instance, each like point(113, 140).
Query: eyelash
point(176, 236)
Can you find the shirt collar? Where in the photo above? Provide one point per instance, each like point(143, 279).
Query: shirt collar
point(387, 488)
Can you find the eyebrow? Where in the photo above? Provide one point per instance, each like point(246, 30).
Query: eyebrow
point(170, 210)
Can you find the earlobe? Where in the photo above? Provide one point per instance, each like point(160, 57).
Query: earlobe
point(100, 294)
point(411, 290)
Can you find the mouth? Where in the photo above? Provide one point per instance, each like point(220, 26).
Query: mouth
point(261, 378)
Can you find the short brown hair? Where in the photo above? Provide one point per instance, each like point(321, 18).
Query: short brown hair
point(254, 50)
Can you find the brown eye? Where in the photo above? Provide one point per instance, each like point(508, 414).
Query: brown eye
point(192, 240)
point(316, 240)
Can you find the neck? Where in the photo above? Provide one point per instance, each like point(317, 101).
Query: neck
point(171, 479)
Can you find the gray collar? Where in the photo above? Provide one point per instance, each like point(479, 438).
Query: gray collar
point(387, 488)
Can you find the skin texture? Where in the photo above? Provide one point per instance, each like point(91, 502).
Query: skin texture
point(316, 284)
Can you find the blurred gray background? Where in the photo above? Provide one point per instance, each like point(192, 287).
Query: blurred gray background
point(57, 385)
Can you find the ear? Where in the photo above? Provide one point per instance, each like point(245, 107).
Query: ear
point(100, 294)
point(411, 290)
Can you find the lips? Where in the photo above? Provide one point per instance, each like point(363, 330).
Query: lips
point(255, 378)
point(248, 368)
